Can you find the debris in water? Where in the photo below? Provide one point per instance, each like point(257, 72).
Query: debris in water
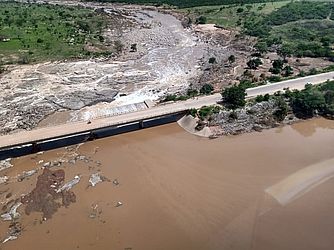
point(26, 174)
point(95, 179)
point(10, 237)
point(95, 211)
point(67, 186)
point(44, 197)
point(56, 163)
point(12, 214)
point(14, 232)
point(81, 157)
point(115, 182)
point(118, 204)
point(47, 164)
point(4, 164)
point(72, 161)
point(40, 162)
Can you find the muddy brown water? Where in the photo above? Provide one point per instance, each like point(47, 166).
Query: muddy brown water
point(179, 191)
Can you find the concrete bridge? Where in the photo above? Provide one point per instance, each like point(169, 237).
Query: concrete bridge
point(37, 136)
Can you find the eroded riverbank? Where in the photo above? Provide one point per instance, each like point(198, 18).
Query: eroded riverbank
point(167, 189)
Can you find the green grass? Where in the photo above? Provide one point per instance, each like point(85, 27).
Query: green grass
point(47, 32)
point(228, 15)
point(298, 28)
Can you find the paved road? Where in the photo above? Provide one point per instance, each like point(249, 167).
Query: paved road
point(27, 137)
point(292, 84)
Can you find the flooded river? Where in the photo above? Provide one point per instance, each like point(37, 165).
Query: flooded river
point(163, 188)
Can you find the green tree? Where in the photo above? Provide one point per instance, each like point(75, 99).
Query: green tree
point(277, 66)
point(206, 89)
point(307, 102)
point(234, 97)
point(282, 108)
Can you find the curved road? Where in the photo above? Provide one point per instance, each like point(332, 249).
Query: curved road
point(47, 133)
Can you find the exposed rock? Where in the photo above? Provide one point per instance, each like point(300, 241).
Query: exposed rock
point(255, 117)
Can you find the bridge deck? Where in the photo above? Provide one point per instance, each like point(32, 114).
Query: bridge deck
point(48, 133)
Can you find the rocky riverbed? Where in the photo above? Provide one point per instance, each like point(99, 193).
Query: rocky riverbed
point(254, 117)
point(166, 60)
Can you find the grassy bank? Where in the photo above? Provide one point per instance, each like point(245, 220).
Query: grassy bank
point(235, 14)
point(303, 28)
point(298, 28)
point(33, 32)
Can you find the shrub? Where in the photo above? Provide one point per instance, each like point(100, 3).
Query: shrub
point(169, 98)
point(212, 60)
point(240, 10)
point(192, 112)
point(231, 59)
point(261, 98)
point(254, 63)
point(201, 20)
point(274, 78)
point(287, 71)
point(233, 115)
point(192, 92)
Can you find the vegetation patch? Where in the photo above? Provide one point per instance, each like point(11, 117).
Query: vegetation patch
point(36, 32)
point(206, 89)
point(313, 100)
point(298, 28)
point(233, 15)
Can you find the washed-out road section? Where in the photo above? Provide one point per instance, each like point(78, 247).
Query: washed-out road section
point(47, 133)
